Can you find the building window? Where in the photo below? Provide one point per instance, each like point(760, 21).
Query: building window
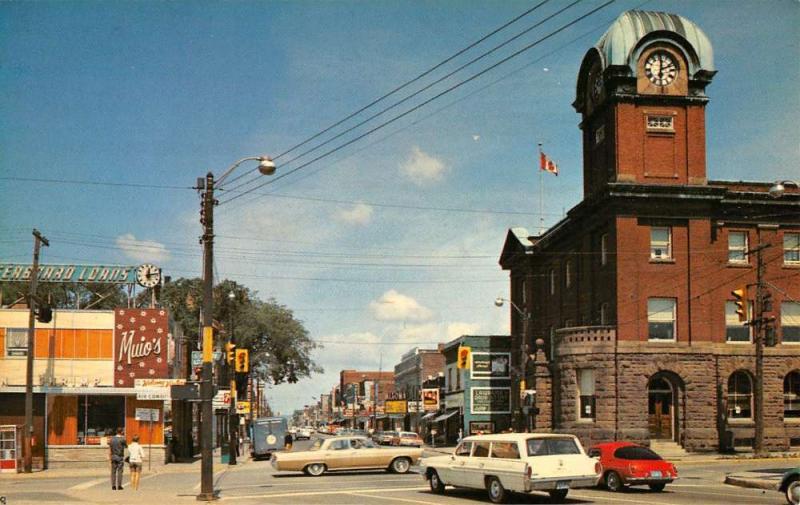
point(661, 318)
point(791, 248)
point(660, 123)
point(586, 398)
point(790, 322)
point(737, 247)
point(458, 379)
point(735, 330)
point(604, 314)
point(16, 341)
point(791, 395)
point(98, 417)
point(600, 134)
point(661, 243)
point(740, 396)
point(568, 274)
point(449, 379)
point(552, 281)
point(604, 249)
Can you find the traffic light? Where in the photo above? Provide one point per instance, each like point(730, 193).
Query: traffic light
point(464, 353)
point(740, 299)
point(242, 361)
point(230, 348)
point(770, 338)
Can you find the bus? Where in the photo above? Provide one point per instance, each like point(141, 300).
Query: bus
point(268, 436)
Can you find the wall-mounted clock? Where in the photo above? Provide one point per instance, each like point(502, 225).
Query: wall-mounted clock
point(660, 68)
point(148, 275)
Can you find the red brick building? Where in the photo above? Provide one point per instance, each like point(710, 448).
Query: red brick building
point(631, 292)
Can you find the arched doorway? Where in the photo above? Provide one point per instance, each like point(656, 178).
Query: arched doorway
point(662, 407)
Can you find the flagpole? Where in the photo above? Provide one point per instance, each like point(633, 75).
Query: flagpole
point(541, 195)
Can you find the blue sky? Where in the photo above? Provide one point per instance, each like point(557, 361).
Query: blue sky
point(158, 93)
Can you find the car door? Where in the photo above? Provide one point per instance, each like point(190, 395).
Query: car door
point(454, 472)
point(364, 454)
point(505, 463)
point(474, 466)
point(337, 456)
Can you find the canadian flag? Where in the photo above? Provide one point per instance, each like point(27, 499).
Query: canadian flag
point(547, 164)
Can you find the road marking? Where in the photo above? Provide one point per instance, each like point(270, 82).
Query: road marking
point(614, 499)
point(89, 483)
point(217, 473)
point(316, 481)
point(320, 493)
point(393, 499)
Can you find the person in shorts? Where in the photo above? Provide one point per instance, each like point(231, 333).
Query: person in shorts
point(136, 456)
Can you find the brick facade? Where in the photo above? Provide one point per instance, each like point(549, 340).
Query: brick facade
point(590, 282)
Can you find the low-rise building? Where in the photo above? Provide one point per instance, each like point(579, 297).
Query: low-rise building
point(414, 368)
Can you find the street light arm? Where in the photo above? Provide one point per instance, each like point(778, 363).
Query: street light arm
point(779, 188)
point(499, 302)
point(262, 159)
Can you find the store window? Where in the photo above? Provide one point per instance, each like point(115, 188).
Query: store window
point(98, 417)
point(661, 243)
point(735, 330)
point(740, 396)
point(661, 318)
point(791, 248)
point(737, 247)
point(791, 395)
point(790, 322)
point(16, 342)
point(586, 398)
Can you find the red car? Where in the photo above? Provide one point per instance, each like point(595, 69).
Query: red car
point(628, 464)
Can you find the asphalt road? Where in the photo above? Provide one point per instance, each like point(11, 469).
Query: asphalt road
point(256, 482)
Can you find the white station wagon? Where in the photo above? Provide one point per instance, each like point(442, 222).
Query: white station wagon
point(514, 462)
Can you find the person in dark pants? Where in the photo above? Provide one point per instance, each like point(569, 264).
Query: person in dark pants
point(287, 441)
point(116, 450)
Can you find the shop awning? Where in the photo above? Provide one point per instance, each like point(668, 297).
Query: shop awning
point(429, 415)
point(445, 417)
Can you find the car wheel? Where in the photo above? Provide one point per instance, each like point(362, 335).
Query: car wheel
point(437, 486)
point(614, 482)
point(657, 487)
point(793, 492)
point(558, 495)
point(315, 469)
point(400, 465)
point(497, 493)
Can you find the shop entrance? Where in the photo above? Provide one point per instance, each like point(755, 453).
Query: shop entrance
point(662, 411)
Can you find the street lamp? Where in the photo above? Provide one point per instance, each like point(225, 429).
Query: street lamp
point(779, 188)
point(522, 372)
point(266, 167)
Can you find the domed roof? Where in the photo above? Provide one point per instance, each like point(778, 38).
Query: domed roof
point(619, 45)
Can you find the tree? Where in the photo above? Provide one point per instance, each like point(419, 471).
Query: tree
point(280, 347)
point(93, 296)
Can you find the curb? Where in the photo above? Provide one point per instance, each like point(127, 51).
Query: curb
point(735, 480)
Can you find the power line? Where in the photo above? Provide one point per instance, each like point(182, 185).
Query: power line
point(424, 103)
point(86, 182)
point(404, 85)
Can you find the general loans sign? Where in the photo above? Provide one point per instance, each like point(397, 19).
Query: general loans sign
point(102, 274)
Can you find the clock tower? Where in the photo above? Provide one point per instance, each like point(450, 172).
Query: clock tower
point(641, 96)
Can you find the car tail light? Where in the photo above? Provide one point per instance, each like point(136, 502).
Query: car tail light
point(598, 468)
point(528, 470)
point(632, 469)
point(674, 470)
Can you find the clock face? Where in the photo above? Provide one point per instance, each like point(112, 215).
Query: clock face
point(148, 275)
point(660, 68)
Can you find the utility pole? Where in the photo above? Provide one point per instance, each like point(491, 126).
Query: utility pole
point(27, 448)
point(206, 384)
point(758, 322)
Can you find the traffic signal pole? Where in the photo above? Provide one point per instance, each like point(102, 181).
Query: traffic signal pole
point(759, 324)
point(27, 447)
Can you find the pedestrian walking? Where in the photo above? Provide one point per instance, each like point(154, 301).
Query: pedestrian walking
point(116, 453)
point(287, 441)
point(136, 456)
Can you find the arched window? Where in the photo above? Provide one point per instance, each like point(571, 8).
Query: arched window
point(740, 396)
point(791, 395)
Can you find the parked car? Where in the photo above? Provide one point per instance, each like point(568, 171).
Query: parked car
point(406, 438)
point(514, 462)
point(790, 486)
point(384, 437)
point(629, 464)
point(303, 434)
point(346, 453)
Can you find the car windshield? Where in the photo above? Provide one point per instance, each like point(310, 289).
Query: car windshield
point(316, 445)
point(552, 446)
point(635, 452)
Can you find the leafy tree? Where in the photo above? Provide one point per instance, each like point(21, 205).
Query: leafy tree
point(67, 295)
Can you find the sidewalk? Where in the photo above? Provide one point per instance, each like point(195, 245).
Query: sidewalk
point(768, 479)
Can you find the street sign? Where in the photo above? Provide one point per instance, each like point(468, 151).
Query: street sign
point(242, 407)
point(185, 392)
point(221, 400)
point(153, 394)
point(146, 414)
point(197, 357)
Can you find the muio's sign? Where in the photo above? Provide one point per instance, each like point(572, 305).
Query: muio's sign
point(140, 345)
point(104, 274)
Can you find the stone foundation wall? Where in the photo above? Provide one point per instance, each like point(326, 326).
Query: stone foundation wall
point(701, 381)
point(74, 456)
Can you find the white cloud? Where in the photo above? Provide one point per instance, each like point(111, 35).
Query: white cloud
point(394, 306)
point(142, 250)
point(360, 214)
point(476, 138)
point(455, 330)
point(422, 168)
